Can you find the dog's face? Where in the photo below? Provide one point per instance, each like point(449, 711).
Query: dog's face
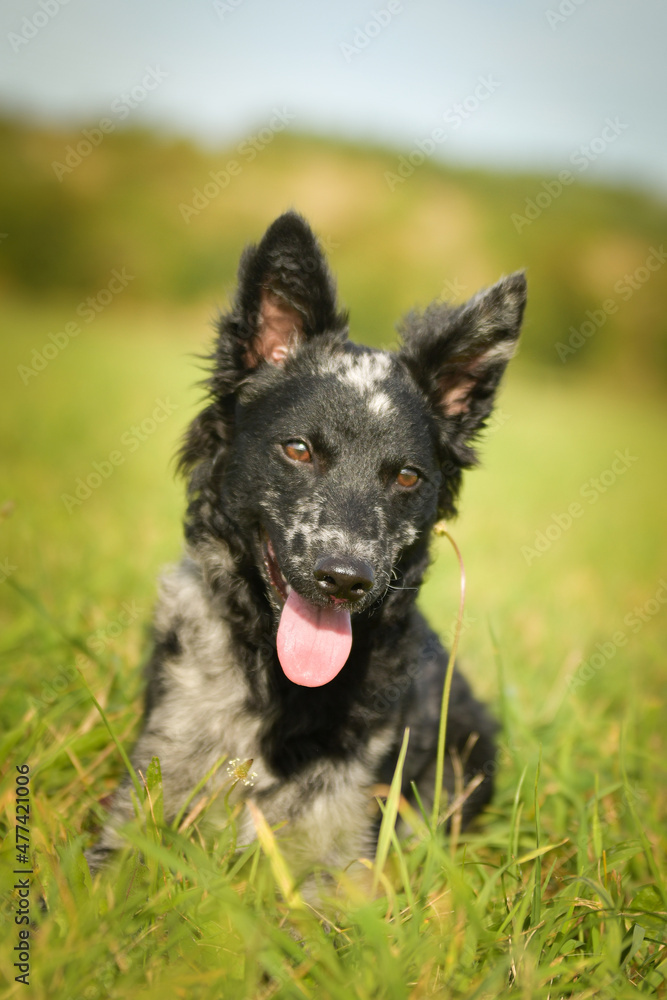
point(336, 466)
point(329, 460)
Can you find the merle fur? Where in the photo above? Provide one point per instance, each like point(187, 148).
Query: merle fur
point(440, 386)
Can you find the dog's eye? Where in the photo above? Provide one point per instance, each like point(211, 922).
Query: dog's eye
point(407, 478)
point(298, 451)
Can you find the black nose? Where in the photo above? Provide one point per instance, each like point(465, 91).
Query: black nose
point(343, 577)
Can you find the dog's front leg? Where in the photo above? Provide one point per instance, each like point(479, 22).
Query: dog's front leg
point(183, 764)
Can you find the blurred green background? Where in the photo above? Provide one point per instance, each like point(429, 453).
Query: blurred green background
point(109, 294)
point(117, 249)
point(589, 379)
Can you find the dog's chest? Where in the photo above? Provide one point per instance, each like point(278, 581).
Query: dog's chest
point(202, 695)
point(209, 706)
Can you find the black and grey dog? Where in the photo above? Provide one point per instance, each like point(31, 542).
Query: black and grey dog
point(289, 633)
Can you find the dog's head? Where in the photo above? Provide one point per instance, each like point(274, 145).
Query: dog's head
point(328, 463)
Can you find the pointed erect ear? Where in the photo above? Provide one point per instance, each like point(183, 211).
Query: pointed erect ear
point(458, 355)
point(285, 295)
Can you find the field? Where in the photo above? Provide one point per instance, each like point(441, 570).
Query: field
point(559, 891)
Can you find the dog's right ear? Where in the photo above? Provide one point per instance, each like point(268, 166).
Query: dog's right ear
point(285, 296)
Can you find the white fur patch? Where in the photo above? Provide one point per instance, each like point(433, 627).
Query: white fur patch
point(364, 371)
point(380, 403)
point(331, 825)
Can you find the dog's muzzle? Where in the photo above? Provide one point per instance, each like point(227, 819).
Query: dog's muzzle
point(314, 636)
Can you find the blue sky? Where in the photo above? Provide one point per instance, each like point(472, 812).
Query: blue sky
point(516, 84)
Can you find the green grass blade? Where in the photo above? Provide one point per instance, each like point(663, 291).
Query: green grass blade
point(441, 530)
point(390, 814)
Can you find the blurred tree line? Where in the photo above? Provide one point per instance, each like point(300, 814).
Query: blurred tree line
point(400, 229)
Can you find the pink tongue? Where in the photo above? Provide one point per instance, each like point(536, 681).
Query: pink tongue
point(313, 643)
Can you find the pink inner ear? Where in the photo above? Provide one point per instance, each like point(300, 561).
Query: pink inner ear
point(456, 397)
point(456, 385)
point(280, 330)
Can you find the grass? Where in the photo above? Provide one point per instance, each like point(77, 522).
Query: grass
point(559, 891)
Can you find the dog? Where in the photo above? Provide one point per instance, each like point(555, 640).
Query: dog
point(288, 635)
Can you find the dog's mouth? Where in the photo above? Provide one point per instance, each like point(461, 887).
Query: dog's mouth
point(273, 571)
point(313, 641)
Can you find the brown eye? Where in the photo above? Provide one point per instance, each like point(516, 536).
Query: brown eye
point(407, 478)
point(298, 451)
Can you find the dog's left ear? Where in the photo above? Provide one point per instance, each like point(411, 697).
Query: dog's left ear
point(458, 355)
point(286, 294)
